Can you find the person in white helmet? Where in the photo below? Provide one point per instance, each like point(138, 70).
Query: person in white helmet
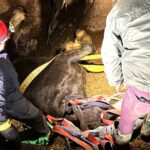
point(12, 102)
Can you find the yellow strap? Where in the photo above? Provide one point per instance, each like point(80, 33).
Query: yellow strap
point(94, 68)
point(33, 74)
point(5, 125)
point(91, 57)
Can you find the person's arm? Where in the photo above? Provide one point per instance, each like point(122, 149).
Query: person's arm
point(111, 54)
point(2, 98)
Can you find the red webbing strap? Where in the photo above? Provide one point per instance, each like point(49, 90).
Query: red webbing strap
point(52, 119)
point(81, 101)
point(99, 97)
point(69, 125)
point(90, 137)
point(75, 101)
point(108, 139)
point(63, 122)
point(113, 111)
point(59, 130)
point(93, 139)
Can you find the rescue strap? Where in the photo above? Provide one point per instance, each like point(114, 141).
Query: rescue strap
point(92, 102)
point(93, 68)
point(5, 125)
point(91, 57)
point(59, 129)
point(34, 74)
point(112, 111)
point(85, 139)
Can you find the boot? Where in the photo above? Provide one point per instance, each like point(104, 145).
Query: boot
point(121, 139)
point(103, 130)
point(145, 130)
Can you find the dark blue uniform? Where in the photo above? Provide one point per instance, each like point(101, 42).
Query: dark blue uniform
point(12, 101)
point(14, 104)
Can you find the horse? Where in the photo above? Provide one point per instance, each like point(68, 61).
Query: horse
point(63, 79)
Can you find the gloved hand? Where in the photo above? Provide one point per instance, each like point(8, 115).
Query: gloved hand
point(39, 124)
point(38, 134)
point(12, 138)
point(10, 134)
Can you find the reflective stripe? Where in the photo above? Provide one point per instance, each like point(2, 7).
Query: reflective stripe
point(5, 125)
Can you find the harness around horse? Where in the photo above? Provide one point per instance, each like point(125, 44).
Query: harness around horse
point(92, 68)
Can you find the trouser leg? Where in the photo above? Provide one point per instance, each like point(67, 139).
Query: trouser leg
point(131, 110)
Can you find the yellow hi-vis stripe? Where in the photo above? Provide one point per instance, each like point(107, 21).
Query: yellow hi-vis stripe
point(5, 125)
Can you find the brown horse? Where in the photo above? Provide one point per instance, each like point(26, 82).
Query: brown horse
point(63, 79)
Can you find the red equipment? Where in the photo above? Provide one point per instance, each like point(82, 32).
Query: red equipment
point(4, 34)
